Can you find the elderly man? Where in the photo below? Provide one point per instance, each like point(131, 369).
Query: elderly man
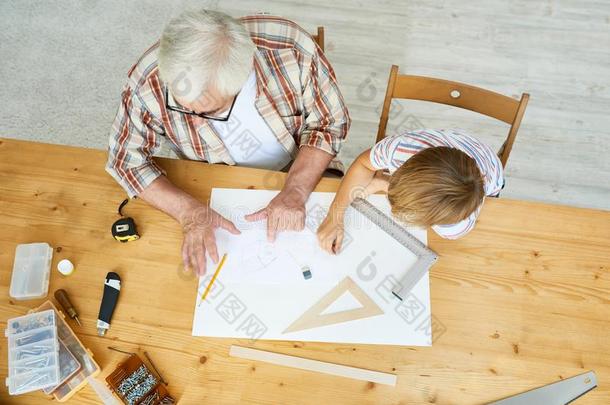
point(254, 92)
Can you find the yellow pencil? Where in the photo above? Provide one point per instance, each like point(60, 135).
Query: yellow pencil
point(207, 290)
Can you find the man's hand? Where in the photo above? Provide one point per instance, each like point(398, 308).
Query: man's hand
point(330, 233)
point(286, 212)
point(199, 224)
point(198, 221)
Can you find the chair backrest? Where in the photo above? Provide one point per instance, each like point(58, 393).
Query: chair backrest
point(495, 105)
point(319, 38)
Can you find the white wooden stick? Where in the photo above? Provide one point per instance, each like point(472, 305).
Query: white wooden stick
point(313, 365)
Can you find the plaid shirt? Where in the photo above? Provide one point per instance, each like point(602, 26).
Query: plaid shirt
point(297, 96)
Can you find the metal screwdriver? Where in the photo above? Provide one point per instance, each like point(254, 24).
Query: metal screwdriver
point(62, 297)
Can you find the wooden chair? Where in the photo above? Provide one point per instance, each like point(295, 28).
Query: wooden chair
point(495, 105)
point(319, 38)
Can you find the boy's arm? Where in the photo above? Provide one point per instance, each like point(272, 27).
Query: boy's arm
point(355, 184)
point(359, 181)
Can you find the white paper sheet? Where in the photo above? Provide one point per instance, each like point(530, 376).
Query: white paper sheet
point(261, 289)
point(251, 258)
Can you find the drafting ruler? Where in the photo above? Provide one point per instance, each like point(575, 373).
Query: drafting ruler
point(425, 256)
point(558, 393)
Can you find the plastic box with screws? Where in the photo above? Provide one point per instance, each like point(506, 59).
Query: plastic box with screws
point(33, 352)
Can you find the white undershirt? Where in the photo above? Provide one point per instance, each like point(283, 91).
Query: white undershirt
point(247, 136)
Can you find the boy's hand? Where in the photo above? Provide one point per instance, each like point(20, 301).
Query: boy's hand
point(330, 234)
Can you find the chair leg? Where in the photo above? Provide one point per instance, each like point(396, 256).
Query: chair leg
point(506, 148)
point(383, 120)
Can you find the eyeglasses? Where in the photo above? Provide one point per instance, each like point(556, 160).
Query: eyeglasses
point(191, 112)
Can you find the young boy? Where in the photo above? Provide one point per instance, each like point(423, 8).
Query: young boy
point(437, 178)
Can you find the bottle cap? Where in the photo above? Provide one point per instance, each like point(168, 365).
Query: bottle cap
point(65, 267)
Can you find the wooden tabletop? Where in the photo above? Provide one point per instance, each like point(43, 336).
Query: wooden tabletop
point(522, 301)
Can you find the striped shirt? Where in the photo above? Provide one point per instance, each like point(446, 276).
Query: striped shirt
point(296, 95)
point(390, 153)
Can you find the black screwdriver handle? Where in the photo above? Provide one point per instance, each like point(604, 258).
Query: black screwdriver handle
point(112, 286)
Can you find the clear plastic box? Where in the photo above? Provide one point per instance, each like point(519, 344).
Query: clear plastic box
point(68, 366)
point(33, 351)
point(31, 271)
point(88, 366)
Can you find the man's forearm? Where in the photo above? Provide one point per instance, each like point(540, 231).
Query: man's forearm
point(165, 196)
point(306, 171)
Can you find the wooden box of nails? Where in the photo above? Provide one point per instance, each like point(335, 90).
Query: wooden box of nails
point(135, 384)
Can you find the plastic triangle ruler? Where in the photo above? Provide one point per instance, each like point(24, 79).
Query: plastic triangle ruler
point(426, 257)
point(314, 318)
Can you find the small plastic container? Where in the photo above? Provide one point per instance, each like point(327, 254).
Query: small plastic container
point(31, 271)
point(68, 366)
point(87, 365)
point(33, 352)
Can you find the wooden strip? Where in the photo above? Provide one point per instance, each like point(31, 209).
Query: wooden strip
point(313, 365)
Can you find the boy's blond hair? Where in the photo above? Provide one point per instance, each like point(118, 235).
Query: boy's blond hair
point(438, 185)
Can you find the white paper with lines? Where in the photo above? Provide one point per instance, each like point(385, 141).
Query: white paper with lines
point(261, 289)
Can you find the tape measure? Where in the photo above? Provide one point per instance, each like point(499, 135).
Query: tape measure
point(124, 230)
point(426, 257)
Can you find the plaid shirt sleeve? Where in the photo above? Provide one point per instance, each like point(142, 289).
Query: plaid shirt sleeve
point(326, 117)
point(134, 138)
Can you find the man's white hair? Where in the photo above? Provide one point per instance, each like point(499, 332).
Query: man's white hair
point(203, 49)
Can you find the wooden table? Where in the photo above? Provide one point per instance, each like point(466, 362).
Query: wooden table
point(522, 301)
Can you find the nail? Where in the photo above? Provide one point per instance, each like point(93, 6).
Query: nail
point(119, 350)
